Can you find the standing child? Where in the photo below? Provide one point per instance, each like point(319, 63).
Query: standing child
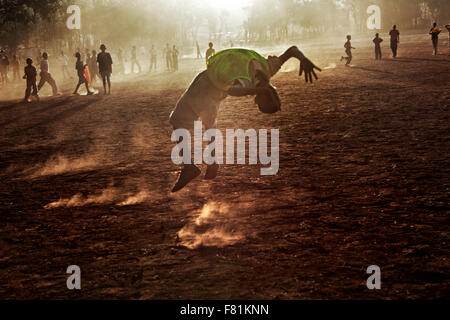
point(448, 28)
point(168, 55)
point(348, 50)
point(395, 40)
point(80, 66)
point(134, 60)
point(174, 59)
point(434, 32)
point(4, 64)
point(30, 76)
point(105, 67)
point(377, 42)
point(15, 66)
point(152, 59)
point(210, 52)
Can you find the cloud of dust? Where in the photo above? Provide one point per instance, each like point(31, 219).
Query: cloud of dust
point(61, 164)
point(107, 196)
point(78, 200)
point(211, 228)
point(142, 196)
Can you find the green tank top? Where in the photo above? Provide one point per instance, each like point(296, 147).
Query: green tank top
point(228, 65)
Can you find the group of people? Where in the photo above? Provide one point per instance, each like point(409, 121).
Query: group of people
point(171, 55)
point(95, 65)
point(394, 35)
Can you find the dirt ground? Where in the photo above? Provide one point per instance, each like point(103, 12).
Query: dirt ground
point(363, 180)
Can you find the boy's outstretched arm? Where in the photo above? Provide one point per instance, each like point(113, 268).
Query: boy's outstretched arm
point(305, 64)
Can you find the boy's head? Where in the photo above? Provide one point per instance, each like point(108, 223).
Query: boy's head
point(349, 37)
point(434, 25)
point(395, 27)
point(103, 48)
point(45, 55)
point(29, 61)
point(210, 44)
point(78, 55)
point(377, 35)
point(267, 102)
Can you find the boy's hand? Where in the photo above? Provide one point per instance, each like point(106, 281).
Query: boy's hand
point(308, 67)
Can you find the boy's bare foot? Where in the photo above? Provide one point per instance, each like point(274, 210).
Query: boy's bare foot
point(212, 171)
point(188, 174)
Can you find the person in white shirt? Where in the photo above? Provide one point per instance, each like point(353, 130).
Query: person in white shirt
point(46, 76)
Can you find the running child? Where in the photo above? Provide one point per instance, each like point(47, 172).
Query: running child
point(80, 66)
point(46, 76)
point(348, 50)
point(232, 72)
point(30, 75)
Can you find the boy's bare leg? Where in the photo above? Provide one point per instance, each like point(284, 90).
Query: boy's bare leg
point(188, 173)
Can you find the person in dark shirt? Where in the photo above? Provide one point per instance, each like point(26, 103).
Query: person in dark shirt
point(105, 67)
point(395, 40)
point(378, 42)
point(30, 75)
point(434, 32)
point(80, 66)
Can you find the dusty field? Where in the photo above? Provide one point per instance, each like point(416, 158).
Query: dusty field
point(363, 180)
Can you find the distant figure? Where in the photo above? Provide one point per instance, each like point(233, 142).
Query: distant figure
point(448, 28)
point(134, 60)
point(174, 59)
point(46, 76)
point(395, 40)
point(210, 52)
point(15, 67)
point(199, 54)
point(105, 67)
point(30, 75)
point(4, 65)
point(153, 57)
point(434, 32)
point(64, 61)
point(80, 66)
point(93, 68)
point(378, 42)
point(168, 55)
point(121, 62)
point(348, 50)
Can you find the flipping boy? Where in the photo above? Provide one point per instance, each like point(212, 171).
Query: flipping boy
point(232, 72)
